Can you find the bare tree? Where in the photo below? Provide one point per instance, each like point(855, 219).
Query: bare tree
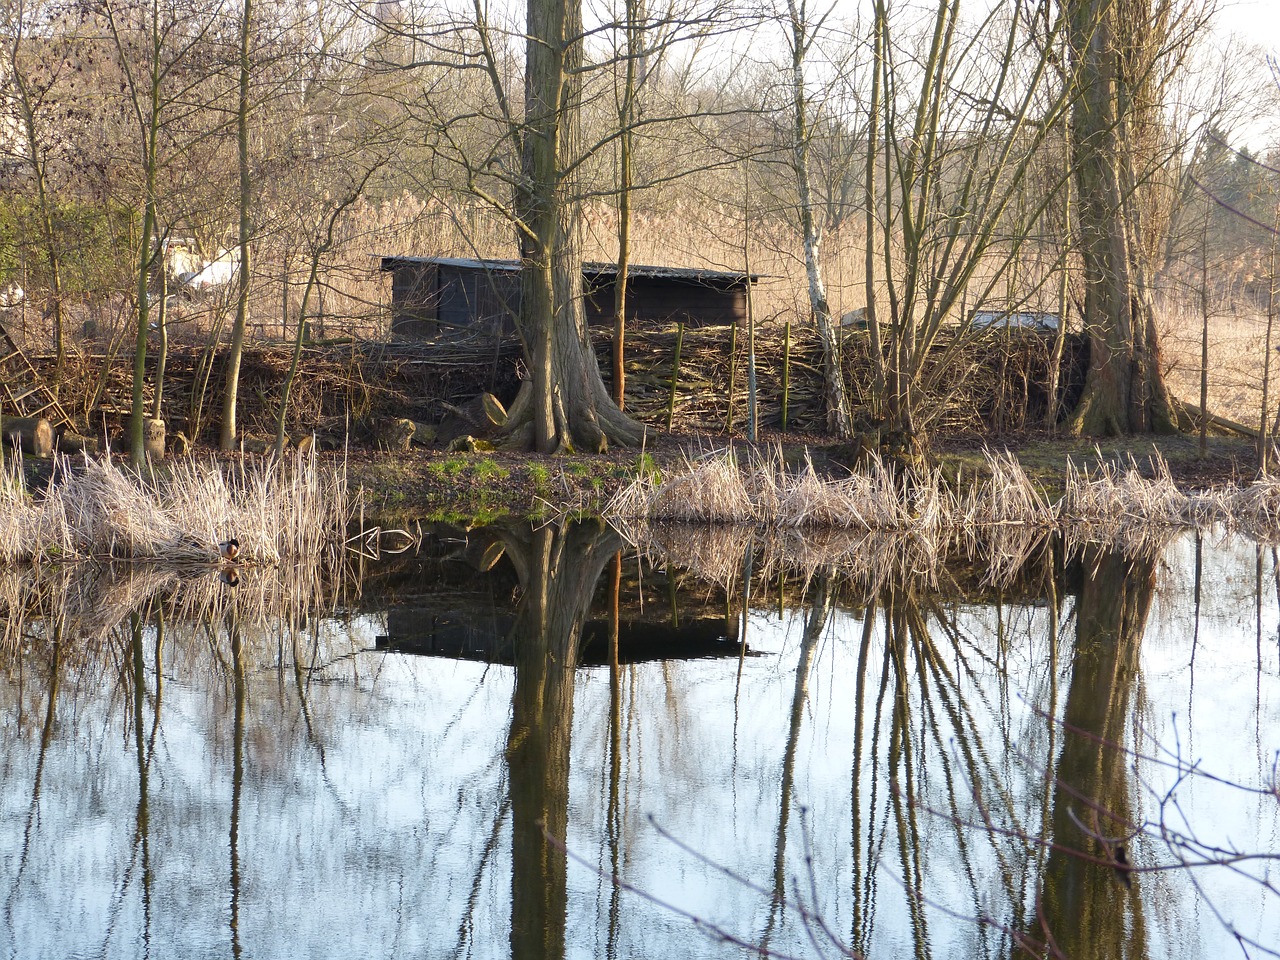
point(227, 437)
point(159, 50)
point(950, 145)
point(37, 62)
point(1123, 51)
point(803, 28)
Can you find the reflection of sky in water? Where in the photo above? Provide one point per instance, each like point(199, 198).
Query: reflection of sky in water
point(376, 822)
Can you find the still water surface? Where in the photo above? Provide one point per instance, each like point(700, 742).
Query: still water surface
point(826, 766)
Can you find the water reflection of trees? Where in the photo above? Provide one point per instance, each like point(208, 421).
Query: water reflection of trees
point(988, 778)
point(938, 749)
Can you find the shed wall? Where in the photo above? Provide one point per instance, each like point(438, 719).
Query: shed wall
point(428, 299)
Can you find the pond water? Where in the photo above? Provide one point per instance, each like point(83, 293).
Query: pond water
point(541, 745)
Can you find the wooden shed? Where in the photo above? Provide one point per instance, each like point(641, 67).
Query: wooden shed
point(431, 296)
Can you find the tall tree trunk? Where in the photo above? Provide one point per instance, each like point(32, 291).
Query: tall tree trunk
point(1114, 121)
point(227, 440)
point(566, 400)
point(871, 203)
point(626, 119)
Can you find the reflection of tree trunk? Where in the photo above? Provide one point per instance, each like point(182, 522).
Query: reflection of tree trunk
point(559, 569)
point(46, 740)
point(142, 824)
point(1084, 904)
point(859, 930)
point(615, 749)
point(237, 781)
point(819, 612)
point(900, 610)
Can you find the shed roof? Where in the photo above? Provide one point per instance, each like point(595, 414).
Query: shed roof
point(596, 270)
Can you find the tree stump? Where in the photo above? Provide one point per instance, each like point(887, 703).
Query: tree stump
point(394, 434)
point(424, 434)
point(153, 440)
point(34, 435)
point(482, 416)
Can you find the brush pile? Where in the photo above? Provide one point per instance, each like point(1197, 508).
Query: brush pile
point(995, 382)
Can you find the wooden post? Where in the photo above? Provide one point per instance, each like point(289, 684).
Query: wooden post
point(752, 418)
point(675, 374)
point(733, 372)
point(786, 372)
point(1064, 289)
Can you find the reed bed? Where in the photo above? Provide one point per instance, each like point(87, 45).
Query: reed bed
point(1116, 502)
point(282, 512)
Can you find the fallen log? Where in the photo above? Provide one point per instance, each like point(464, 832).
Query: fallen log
point(1195, 413)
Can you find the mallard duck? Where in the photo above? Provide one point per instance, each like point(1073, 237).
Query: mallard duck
point(229, 549)
point(230, 577)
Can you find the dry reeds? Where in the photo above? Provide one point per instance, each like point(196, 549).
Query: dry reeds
point(1116, 502)
point(281, 512)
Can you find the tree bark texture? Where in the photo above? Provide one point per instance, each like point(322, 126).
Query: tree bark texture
point(567, 403)
point(1114, 44)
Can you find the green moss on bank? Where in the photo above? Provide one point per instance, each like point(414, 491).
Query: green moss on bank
point(472, 488)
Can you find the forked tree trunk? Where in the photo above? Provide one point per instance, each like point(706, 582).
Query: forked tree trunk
point(566, 403)
point(1113, 124)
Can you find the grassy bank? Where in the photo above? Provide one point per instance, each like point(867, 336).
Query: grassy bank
point(302, 509)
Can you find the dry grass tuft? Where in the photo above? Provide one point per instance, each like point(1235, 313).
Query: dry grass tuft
point(1255, 509)
point(280, 512)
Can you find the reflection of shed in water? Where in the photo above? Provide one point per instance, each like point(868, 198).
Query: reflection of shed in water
point(434, 295)
point(459, 597)
point(486, 636)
